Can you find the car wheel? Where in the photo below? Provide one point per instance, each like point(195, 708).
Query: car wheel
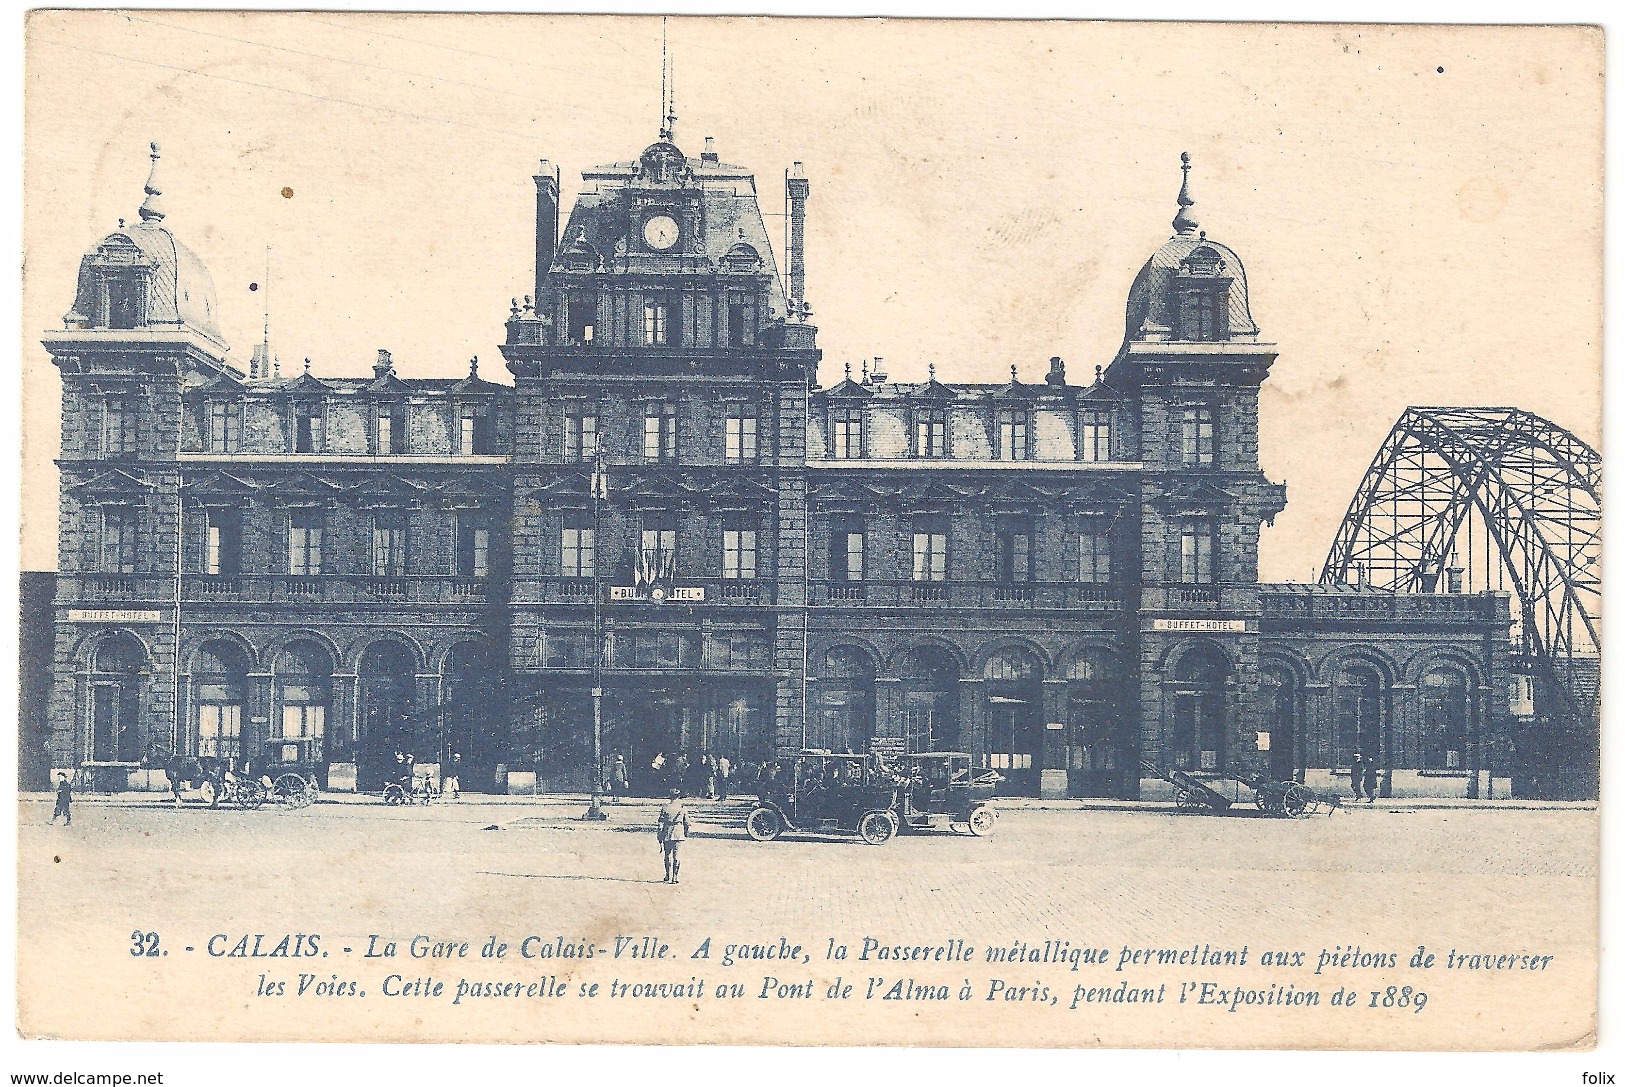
point(982, 821)
point(763, 824)
point(877, 827)
point(393, 794)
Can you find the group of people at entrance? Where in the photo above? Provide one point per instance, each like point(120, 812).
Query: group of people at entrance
point(699, 774)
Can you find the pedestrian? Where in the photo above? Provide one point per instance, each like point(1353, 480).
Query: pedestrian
point(64, 801)
point(618, 784)
point(1370, 780)
point(670, 830)
point(724, 771)
point(710, 772)
point(680, 772)
point(452, 786)
point(1357, 775)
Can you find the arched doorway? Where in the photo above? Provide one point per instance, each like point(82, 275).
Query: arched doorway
point(1358, 694)
point(473, 713)
point(113, 701)
point(1278, 697)
point(388, 716)
point(1197, 696)
point(846, 702)
point(1447, 696)
point(1015, 710)
point(303, 675)
point(1096, 750)
point(928, 699)
point(219, 697)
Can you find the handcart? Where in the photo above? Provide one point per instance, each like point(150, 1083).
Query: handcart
point(1190, 795)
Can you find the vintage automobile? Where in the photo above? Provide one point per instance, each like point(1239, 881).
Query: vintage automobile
point(289, 771)
point(947, 786)
point(822, 792)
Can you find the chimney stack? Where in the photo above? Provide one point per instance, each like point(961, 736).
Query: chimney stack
point(709, 155)
point(547, 220)
point(1057, 372)
point(795, 191)
point(385, 366)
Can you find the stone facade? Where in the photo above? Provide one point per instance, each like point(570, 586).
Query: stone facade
point(666, 509)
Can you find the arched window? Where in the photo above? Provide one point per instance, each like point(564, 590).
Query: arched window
point(928, 699)
point(220, 689)
point(388, 713)
point(470, 686)
point(1015, 717)
point(304, 679)
point(1357, 695)
point(1278, 719)
point(846, 710)
point(1095, 748)
point(1446, 697)
point(1197, 697)
point(114, 704)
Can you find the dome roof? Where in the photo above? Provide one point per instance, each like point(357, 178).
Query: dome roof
point(140, 276)
point(179, 290)
point(1151, 305)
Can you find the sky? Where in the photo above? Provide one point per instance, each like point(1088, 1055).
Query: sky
point(1418, 208)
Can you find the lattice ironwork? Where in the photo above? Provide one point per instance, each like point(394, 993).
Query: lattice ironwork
point(1490, 498)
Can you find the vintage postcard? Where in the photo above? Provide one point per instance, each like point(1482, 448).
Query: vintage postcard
point(799, 532)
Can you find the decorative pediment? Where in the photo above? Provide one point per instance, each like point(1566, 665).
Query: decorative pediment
point(387, 490)
point(220, 483)
point(306, 384)
point(741, 257)
point(114, 482)
point(849, 390)
point(1020, 491)
point(1194, 493)
point(304, 486)
point(388, 385)
point(933, 390)
point(221, 384)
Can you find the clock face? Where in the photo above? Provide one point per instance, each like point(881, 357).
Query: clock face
point(660, 231)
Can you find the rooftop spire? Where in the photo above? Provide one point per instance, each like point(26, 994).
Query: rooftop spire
point(668, 88)
point(152, 210)
point(1183, 223)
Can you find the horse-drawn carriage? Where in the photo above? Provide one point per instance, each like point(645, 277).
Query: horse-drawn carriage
point(210, 781)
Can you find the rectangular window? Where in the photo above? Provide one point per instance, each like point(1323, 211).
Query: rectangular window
point(307, 428)
point(118, 425)
point(474, 432)
point(1095, 436)
point(657, 546)
point(219, 723)
point(1015, 551)
point(473, 546)
point(577, 548)
point(847, 424)
point(305, 541)
point(389, 544)
point(930, 548)
point(739, 434)
point(1094, 556)
point(583, 315)
point(741, 319)
point(118, 539)
point(389, 435)
point(1196, 436)
point(1012, 434)
point(659, 328)
point(1196, 553)
point(223, 542)
point(1202, 315)
point(225, 426)
point(580, 432)
point(846, 550)
point(660, 432)
point(739, 548)
point(304, 712)
point(931, 433)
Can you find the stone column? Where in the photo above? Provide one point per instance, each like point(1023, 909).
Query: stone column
point(1052, 774)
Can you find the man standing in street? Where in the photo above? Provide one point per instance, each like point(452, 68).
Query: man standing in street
point(670, 831)
point(1357, 776)
point(64, 801)
point(1371, 775)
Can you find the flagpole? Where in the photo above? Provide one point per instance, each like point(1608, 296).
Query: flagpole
point(595, 809)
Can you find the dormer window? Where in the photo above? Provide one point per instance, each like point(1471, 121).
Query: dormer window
point(741, 319)
point(389, 429)
point(307, 427)
point(931, 433)
point(126, 301)
point(846, 432)
point(474, 431)
point(1012, 434)
point(1203, 296)
point(1095, 435)
point(225, 426)
point(582, 317)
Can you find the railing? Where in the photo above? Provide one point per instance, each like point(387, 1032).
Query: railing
point(1058, 595)
point(619, 589)
point(1193, 596)
point(1306, 603)
point(335, 588)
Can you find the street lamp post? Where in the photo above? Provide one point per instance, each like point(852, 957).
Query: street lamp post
point(595, 809)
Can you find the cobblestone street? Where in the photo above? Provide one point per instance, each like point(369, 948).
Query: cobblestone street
point(1379, 880)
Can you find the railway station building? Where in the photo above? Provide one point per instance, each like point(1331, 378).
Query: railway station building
point(662, 499)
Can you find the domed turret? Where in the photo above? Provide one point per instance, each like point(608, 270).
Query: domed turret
point(141, 277)
point(1193, 288)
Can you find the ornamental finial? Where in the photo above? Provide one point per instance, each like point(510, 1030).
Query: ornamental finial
point(151, 210)
point(1183, 223)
